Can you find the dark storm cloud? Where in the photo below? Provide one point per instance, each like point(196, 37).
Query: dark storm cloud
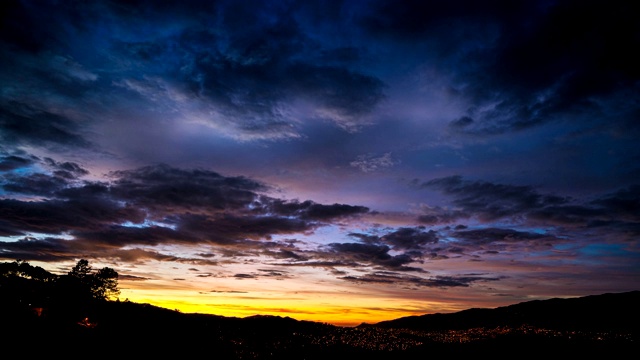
point(386, 277)
point(403, 238)
point(522, 64)
point(160, 205)
point(410, 238)
point(164, 188)
point(29, 182)
point(623, 204)
point(490, 201)
point(67, 170)
point(268, 59)
point(612, 214)
point(377, 255)
point(22, 124)
point(59, 216)
point(439, 215)
point(238, 66)
point(51, 249)
point(13, 162)
point(33, 184)
point(47, 249)
point(116, 236)
point(310, 210)
point(229, 228)
point(490, 235)
point(620, 207)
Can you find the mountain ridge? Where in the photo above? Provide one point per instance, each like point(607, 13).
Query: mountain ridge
point(144, 329)
point(617, 311)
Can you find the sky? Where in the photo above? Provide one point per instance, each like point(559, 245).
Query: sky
point(333, 161)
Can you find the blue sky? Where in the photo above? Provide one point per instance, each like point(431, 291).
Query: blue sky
point(397, 157)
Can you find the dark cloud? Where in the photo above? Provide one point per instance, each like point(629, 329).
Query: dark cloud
point(29, 182)
point(67, 170)
point(116, 236)
point(489, 201)
point(163, 188)
point(330, 265)
point(13, 162)
point(229, 228)
point(244, 276)
point(242, 66)
point(158, 205)
point(278, 274)
point(522, 64)
point(287, 254)
point(33, 184)
point(310, 210)
point(567, 215)
point(255, 61)
point(415, 281)
point(22, 124)
point(403, 238)
point(491, 235)
point(612, 215)
point(374, 255)
point(623, 204)
point(410, 238)
point(60, 216)
point(461, 122)
point(433, 215)
point(616, 212)
point(49, 249)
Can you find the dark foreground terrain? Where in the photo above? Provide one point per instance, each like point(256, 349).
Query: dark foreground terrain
point(604, 325)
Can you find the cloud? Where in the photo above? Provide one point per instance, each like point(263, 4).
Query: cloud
point(611, 214)
point(491, 235)
point(22, 124)
point(68, 170)
point(157, 205)
point(489, 201)
point(244, 276)
point(518, 64)
point(385, 277)
point(372, 255)
point(230, 228)
point(623, 204)
point(368, 163)
point(33, 184)
point(310, 210)
point(164, 188)
point(403, 238)
point(248, 73)
point(59, 217)
point(14, 162)
point(433, 215)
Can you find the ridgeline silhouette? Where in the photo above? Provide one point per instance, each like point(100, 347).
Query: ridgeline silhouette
point(79, 314)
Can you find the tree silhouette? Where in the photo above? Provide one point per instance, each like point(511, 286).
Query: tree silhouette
point(99, 285)
point(81, 270)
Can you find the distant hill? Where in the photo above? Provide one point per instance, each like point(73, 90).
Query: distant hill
point(133, 329)
point(606, 312)
point(42, 314)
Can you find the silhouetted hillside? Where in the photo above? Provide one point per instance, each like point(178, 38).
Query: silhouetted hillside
point(606, 312)
point(46, 315)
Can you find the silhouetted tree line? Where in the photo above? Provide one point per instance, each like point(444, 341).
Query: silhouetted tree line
point(28, 292)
